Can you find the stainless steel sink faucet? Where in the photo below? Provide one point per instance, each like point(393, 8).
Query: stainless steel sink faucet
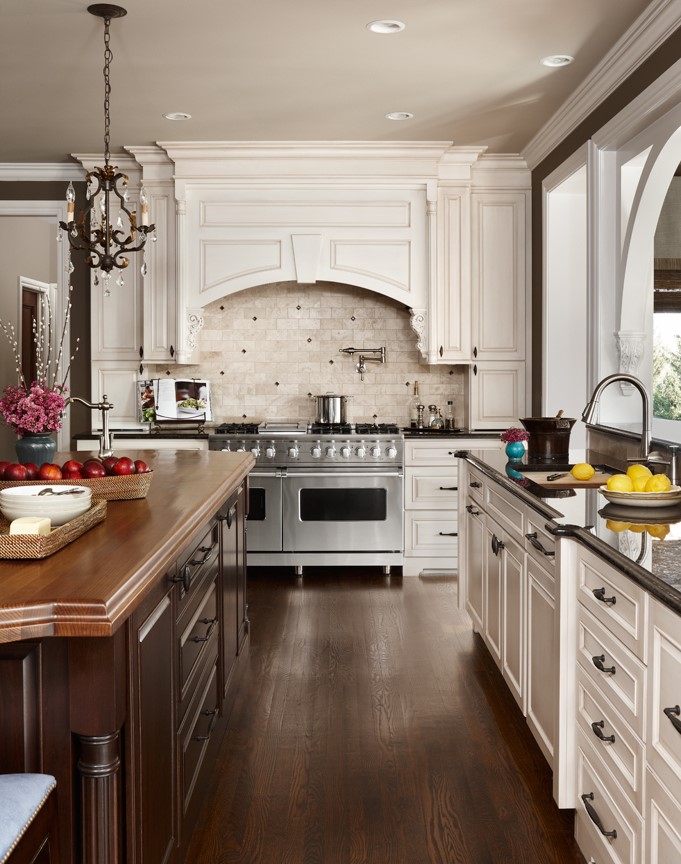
point(361, 366)
point(590, 410)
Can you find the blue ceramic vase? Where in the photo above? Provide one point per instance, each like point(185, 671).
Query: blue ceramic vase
point(36, 447)
point(515, 450)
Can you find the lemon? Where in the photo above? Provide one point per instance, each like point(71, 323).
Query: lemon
point(616, 526)
point(640, 482)
point(582, 471)
point(638, 470)
point(658, 531)
point(620, 483)
point(658, 483)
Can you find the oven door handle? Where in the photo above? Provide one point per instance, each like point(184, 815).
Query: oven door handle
point(301, 472)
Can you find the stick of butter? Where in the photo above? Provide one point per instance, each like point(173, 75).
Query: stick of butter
point(30, 525)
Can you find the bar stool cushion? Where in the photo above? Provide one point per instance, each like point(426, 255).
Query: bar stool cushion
point(21, 797)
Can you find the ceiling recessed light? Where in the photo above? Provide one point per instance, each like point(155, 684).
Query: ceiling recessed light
point(385, 26)
point(557, 60)
point(177, 115)
point(399, 115)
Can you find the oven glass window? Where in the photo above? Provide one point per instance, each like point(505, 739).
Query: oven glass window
point(343, 505)
point(257, 508)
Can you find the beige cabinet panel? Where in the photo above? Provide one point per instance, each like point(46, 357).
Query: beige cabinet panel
point(497, 394)
point(542, 657)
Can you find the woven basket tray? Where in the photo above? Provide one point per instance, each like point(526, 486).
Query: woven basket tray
point(109, 488)
point(35, 546)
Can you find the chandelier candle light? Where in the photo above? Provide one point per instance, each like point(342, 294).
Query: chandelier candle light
point(108, 244)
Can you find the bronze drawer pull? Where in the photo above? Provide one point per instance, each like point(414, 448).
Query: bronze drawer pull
point(449, 488)
point(599, 594)
point(475, 485)
point(597, 726)
point(595, 818)
point(471, 509)
point(208, 552)
point(537, 544)
point(448, 534)
point(212, 622)
point(599, 664)
point(497, 544)
point(673, 715)
point(213, 714)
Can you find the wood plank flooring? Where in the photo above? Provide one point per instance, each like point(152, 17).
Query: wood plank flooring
point(373, 728)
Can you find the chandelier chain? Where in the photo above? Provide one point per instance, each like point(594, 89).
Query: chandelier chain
point(108, 57)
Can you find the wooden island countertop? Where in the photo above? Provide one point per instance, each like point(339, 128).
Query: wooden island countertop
point(91, 586)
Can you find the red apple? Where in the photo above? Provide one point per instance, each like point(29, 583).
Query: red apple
point(71, 475)
point(93, 468)
point(108, 462)
point(32, 470)
point(49, 471)
point(141, 467)
point(16, 472)
point(124, 466)
point(71, 465)
point(3, 467)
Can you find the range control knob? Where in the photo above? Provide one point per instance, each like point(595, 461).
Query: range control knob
point(331, 451)
point(361, 451)
point(391, 452)
point(293, 451)
point(375, 451)
point(270, 451)
point(256, 451)
point(241, 448)
point(316, 452)
point(345, 452)
point(226, 448)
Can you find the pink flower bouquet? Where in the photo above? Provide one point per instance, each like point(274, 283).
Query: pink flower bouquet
point(33, 409)
point(509, 436)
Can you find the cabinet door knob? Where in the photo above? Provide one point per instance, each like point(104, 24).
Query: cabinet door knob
point(172, 350)
point(442, 350)
point(141, 352)
point(475, 351)
point(475, 368)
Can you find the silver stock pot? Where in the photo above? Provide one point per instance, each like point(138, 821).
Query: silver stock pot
point(331, 408)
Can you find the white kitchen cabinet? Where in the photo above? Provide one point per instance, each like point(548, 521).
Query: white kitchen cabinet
point(663, 823)
point(116, 320)
point(498, 275)
point(118, 382)
point(497, 394)
point(542, 656)
point(452, 307)
point(431, 524)
point(475, 542)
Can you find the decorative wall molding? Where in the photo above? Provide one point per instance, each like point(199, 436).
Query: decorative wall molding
point(631, 348)
point(647, 33)
point(39, 172)
point(194, 323)
point(419, 324)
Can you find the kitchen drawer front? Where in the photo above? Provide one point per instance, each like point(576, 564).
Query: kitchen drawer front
point(539, 543)
point(663, 823)
point(476, 486)
point(623, 605)
point(431, 488)
point(505, 508)
point(195, 734)
point(625, 756)
point(664, 673)
point(431, 532)
point(195, 569)
point(196, 641)
point(610, 805)
point(424, 453)
point(625, 686)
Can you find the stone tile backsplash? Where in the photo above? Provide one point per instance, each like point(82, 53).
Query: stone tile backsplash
point(267, 349)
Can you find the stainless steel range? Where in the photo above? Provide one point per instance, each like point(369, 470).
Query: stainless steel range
point(321, 494)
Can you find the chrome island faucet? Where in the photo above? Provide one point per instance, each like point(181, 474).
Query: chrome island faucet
point(590, 409)
point(106, 438)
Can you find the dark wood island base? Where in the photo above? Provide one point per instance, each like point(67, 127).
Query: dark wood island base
point(120, 655)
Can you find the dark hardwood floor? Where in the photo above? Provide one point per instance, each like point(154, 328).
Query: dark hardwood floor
point(373, 728)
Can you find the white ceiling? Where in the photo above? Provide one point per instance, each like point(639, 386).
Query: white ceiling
point(271, 70)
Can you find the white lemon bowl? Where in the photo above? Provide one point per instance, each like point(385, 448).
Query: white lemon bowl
point(643, 499)
point(58, 508)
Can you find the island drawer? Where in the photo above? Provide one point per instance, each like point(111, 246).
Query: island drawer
point(195, 569)
point(615, 600)
point(618, 747)
point(195, 734)
point(539, 543)
point(507, 509)
point(664, 717)
point(612, 669)
point(599, 799)
point(475, 485)
point(198, 636)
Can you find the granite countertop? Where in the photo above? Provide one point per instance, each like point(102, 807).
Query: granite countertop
point(645, 544)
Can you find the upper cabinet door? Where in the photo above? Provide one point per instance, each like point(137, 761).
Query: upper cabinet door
point(452, 306)
point(498, 275)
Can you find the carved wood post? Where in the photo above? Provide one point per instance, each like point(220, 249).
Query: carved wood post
point(101, 827)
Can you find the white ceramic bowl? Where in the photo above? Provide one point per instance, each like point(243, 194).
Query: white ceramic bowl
point(643, 499)
point(19, 501)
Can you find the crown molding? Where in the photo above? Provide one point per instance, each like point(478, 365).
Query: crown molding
point(39, 172)
point(647, 33)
